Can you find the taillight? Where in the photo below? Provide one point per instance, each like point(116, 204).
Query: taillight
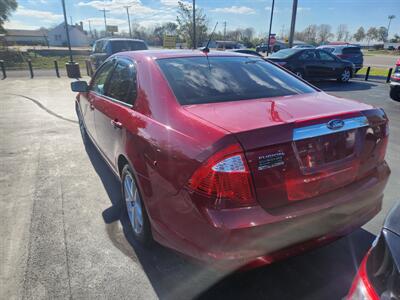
point(378, 276)
point(225, 180)
point(362, 289)
point(343, 56)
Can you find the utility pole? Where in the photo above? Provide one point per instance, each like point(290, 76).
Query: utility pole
point(70, 20)
point(390, 17)
point(224, 33)
point(129, 20)
point(194, 24)
point(71, 60)
point(270, 25)
point(283, 32)
point(105, 19)
point(293, 24)
point(90, 29)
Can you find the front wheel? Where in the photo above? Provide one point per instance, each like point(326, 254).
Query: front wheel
point(345, 76)
point(135, 209)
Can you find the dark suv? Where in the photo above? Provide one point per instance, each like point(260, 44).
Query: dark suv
point(347, 52)
point(103, 48)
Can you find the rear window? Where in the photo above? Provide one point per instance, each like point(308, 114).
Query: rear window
point(284, 53)
point(351, 50)
point(120, 46)
point(197, 80)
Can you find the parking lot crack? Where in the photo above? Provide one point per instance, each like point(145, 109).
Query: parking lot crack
point(49, 111)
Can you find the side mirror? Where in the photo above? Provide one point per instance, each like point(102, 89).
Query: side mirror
point(79, 86)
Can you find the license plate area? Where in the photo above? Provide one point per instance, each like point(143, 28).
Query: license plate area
point(319, 151)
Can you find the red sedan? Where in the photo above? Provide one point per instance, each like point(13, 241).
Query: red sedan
point(229, 158)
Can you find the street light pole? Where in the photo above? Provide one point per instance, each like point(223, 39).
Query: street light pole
point(293, 24)
point(67, 31)
point(129, 20)
point(194, 24)
point(270, 25)
point(391, 17)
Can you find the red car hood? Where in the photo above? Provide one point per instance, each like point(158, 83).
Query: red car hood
point(238, 116)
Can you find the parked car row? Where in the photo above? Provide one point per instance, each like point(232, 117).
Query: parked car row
point(395, 82)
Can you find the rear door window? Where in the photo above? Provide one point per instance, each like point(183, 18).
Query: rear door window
point(308, 55)
point(122, 83)
point(196, 80)
point(325, 56)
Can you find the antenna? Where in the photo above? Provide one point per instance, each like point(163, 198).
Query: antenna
point(206, 49)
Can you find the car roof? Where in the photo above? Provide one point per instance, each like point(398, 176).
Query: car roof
point(338, 46)
point(178, 53)
point(392, 221)
point(119, 39)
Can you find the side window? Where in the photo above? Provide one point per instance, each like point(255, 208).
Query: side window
point(98, 83)
point(307, 55)
point(122, 85)
point(325, 56)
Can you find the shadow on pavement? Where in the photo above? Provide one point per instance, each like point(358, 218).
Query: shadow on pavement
point(352, 85)
point(324, 273)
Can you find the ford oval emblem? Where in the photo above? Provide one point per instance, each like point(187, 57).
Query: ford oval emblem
point(335, 124)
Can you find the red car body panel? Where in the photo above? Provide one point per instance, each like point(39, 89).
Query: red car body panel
point(165, 143)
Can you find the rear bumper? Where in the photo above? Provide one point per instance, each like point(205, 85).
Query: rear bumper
point(237, 237)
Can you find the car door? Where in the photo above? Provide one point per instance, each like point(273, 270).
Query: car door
point(309, 63)
point(88, 100)
point(114, 109)
point(329, 64)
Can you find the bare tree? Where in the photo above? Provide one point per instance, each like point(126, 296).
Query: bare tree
point(382, 34)
point(372, 34)
point(324, 33)
point(310, 34)
point(342, 32)
point(360, 34)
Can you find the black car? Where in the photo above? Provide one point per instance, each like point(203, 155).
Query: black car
point(103, 48)
point(378, 276)
point(395, 83)
point(314, 64)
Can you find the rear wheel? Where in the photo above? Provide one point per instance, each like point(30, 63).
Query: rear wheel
point(345, 76)
point(133, 204)
point(395, 94)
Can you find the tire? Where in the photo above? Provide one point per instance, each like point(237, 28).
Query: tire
point(395, 94)
point(345, 76)
point(134, 208)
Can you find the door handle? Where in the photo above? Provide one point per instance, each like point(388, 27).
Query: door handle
point(116, 123)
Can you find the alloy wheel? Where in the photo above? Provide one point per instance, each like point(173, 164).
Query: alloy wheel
point(133, 204)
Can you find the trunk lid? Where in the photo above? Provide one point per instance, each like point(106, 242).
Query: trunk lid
point(299, 147)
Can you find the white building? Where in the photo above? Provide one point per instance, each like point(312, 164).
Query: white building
point(78, 37)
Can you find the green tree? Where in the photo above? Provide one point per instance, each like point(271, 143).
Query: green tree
point(360, 34)
point(382, 34)
point(185, 24)
point(372, 34)
point(6, 8)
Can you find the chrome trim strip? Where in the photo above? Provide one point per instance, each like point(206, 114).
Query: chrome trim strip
point(322, 129)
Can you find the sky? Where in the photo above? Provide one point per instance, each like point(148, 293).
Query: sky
point(32, 14)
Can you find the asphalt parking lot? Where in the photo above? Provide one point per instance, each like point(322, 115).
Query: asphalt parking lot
point(63, 235)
